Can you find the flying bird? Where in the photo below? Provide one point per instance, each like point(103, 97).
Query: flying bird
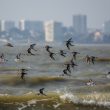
point(9, 45)
point(32, 46)
point(41, 91)
point(48, 48)
point(29, 51)
point(18, 57)
point(23, 73)
point(2, 56)
point(62, 53)
point(68, 67)
point(74, 54)
point(65, 72)
point(68, 43)
point(73, 64)
point(51, 55)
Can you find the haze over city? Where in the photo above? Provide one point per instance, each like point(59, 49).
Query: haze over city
point(61, 10)
point(54, 55)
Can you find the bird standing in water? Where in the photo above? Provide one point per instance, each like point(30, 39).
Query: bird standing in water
point(93, 59)
point(88, 59)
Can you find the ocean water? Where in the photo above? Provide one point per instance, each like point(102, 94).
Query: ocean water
point(62, 92)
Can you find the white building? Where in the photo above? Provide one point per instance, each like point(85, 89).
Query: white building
point(80, 24)
point(107, 27)
point(6, 25)
point(21, 25)
point(53, 31)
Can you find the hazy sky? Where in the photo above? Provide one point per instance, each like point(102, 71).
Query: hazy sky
point(97, 11)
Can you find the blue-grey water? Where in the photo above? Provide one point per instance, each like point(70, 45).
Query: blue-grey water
point(41, 65)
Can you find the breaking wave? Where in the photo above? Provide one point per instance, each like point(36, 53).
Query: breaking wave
point(56, 101)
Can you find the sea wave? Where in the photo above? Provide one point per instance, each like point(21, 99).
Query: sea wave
point(92, 98)
point(58, 101)
point(14, 80)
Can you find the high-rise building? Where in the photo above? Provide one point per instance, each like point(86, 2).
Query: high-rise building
point(53, 31)
point(21, 25)
point(34, 26)
point(2, 26)
point(107, 27)
point(36, 29)
point(6, 25)
point(9, 25)
point(80, 24)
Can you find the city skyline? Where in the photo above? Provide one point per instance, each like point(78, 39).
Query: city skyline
point(61, 10)
point(53, 31)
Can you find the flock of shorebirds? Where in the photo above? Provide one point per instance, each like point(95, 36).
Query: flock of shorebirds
point(66, 71)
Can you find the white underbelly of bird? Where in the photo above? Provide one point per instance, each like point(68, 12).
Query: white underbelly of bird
point(17, 60)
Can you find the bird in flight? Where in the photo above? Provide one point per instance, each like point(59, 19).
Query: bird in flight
point(68, 43)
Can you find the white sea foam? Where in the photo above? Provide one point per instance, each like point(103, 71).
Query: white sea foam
point(56, 105)
point(75, 99)
point(4, 94)
point(23, 106)
point(100, 103)
point(29, 93)
point(89, 102)
point(32, 102)
point(29, 103)
point(70, 97)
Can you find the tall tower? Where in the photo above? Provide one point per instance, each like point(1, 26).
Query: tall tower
point(53, 31)
point(22, 25)
point(107, 27)
point(49, 36)
point(80, 24)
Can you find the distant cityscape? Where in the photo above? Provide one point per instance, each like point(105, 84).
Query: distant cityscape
point(53, 31)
